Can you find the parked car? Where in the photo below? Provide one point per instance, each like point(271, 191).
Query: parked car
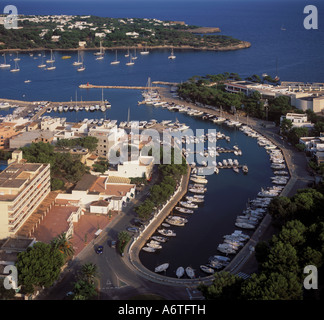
point(113, 243)
point(99, 250)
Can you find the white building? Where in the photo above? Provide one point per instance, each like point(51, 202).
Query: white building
point(298, 120)
point(140, 168)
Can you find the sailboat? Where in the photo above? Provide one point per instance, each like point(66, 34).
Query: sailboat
point(51, 60)
point(130, 63)
point(135, 57)
point(52, 67)
point(4, 65)
point(127, 55)
point(100, 54)
point(42, 65)
point(17, 58)
point(283, 28)
point(78, 63)
point(172, 56)
point(145, 50)
point(16, 69)
point(116, 61)
point(82, 68)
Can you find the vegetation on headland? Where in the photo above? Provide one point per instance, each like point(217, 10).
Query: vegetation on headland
point(281, 260)
point(210, 90)
point(36, 32)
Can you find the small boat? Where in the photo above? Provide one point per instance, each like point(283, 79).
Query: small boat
point(180, 272)
point(194, 199)
point(161, 267)
point(148, 249)
point(159, 239)
point(172, 56)
point(115, 61)
point(207, 269)
point(16, 68)
point(154, 246)
point(165, 225)
point(66, 57)
point(4, 65)
point(245, 169)
point(188, 204)
point(51, 60)
point(190, 272)
point(184, 210)
point(145, 50)
point(130, 63)
point(167, 233)
point(27, 81)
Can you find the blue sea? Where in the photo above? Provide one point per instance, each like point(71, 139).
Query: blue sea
point(295, 54)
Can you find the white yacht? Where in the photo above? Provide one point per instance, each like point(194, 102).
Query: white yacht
point(77, 63)
point(190, 272)
point(172, 56)
point(4, 64)
point(115, 61)
point(52, 59)
point(162, 267)
point(180, 272)
point(130, 63)
point(16, 68)
point(145, 50)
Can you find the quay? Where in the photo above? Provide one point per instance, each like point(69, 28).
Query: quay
point(92, 86)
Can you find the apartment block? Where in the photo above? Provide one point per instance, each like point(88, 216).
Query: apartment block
point(23, 186)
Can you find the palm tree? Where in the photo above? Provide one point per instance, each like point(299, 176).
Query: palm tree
point(63, 243)
point(89, 271)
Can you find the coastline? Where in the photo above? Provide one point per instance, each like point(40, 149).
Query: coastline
point(241, 45)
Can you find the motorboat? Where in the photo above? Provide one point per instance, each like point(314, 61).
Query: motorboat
point(244, 225)
point(194, 199)
point(154, 245)
point(207, 269)
point(148, 249)
point(159, 239)
point(162, 267)
point(180, 272)
point(167, 233)
point(175, 222)
point(189, 205)
point(190, 272)
point(184, 210)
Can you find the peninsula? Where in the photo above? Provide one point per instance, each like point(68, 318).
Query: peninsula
point(73, 32)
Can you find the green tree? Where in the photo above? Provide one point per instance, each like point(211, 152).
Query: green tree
point(63, 243)
point(225, 286)
point(39, 265)
point(89, 272)
point(123, 238)
point(274, 286)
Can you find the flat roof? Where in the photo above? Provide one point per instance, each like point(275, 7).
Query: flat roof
point(16, 174)
point(86, 182)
